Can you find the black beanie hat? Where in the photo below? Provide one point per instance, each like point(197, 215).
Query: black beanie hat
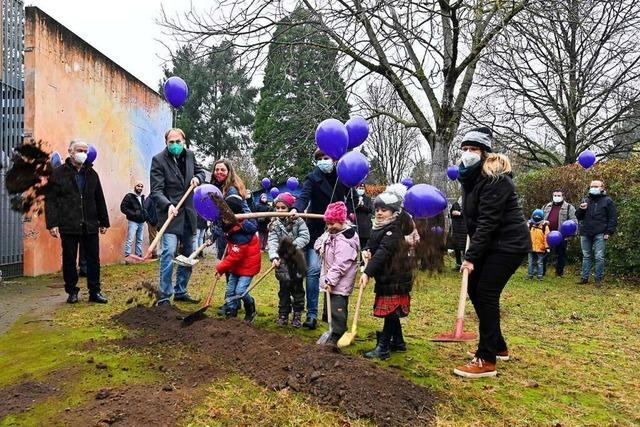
point(235, 203)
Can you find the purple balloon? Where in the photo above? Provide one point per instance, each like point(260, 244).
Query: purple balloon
point(452, 172)
point(56, 159)
point(266, 183)
point(352, 168)
point(407, 182)
point(176, 91)
point(292, 183)
point(358, 130)
point(203, 204)
point(332, 138)
point(424, 201)
point(92, 153)
point(554, 238)
point(568, 228)
point(274, 192)
point(586, 159)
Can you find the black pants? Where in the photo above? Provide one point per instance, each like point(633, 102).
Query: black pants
point(486, 283)
point(559, 255)
point(291, 290)
point(392, 326)
point(70, 244)
point(458, 253)
point(339, 314)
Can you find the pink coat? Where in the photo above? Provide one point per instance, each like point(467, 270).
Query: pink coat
point(339, 260)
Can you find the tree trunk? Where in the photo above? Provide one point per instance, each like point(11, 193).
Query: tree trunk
point(439, 161)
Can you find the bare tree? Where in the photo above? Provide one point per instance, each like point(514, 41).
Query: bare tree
point(564, 78)
point(427, 50)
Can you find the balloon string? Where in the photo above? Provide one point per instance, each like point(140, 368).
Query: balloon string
point(334, 189)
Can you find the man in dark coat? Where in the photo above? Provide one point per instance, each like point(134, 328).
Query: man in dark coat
point(321, 187)
point(364, 210)
point(132, 206)
point(458, 232)
point(263, 223)
point(598, 221)
point(76, 211)
point(173, 170)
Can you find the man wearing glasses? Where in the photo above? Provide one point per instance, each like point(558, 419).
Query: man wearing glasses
point(173, 170)
point(133, 207)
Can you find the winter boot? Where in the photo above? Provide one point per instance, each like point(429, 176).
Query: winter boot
point(297, 320)
point(250, 312)
point(311, 323)
point(231, 312)
point(397, 343)
point(283, 319)
point(382, 347)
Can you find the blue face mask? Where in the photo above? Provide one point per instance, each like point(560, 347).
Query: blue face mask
point(325, 166)
point(595, 191)
point(175, 148)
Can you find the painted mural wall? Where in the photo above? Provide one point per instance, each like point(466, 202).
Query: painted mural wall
point(72, 91)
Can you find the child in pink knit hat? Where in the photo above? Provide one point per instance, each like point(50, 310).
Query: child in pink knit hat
point(338, 248)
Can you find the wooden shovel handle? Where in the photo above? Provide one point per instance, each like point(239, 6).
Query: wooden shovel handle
point(197, 251)
point(166, 224)
point(255, 215)
point(358, 303)
point(257, 281)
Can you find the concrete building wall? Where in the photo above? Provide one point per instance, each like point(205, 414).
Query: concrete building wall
point(72, 91)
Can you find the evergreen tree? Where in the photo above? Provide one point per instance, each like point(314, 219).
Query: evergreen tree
point(219, 112)
point(302, 87)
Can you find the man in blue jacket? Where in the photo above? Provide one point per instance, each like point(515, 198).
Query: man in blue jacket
point(598, 220)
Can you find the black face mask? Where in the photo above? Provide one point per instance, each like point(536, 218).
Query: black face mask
point(138, 192)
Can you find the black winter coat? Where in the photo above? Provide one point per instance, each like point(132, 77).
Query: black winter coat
point(458, 228)
point(69, 210)
point(263, 223)
point(316, 196)
point(168, 185)
point(150, 211)
point(132, 208)
point(391, 278)
point(494, 219)
point(600, 216)
point(363, 215)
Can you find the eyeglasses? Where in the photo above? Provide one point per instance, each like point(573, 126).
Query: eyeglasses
point(176, 141)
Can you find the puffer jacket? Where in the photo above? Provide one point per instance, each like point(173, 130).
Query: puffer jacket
point(339, 260)
point(600, 216)
point(241, 259)
point(297, 230)
point(538, 234)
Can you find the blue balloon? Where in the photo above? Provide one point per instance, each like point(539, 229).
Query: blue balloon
point(407, 182)
point(554, 238)
point(92, 153)
point(266, 183)
point(56, 159)
point(452, 172)
point(274, 192)
point(436, 229)
point(358, 130)
point(352, 168)
point(586, 159)
point(202, 203)
point(424, 201)
point(332, 138)
point(292, 183)
point(176, 91)
point(569, 228)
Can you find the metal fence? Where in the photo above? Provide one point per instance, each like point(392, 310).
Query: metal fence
point(11, 130)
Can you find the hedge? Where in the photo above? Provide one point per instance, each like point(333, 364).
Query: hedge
point(622, 182)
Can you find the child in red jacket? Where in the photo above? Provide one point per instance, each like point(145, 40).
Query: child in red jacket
point(242, 261)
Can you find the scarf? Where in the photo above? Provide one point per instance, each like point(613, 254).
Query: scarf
point(377, 225)
point(468, 175)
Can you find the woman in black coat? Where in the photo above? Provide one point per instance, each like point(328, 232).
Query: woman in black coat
point(458, 232)
point(364, 209)
point(499, 241)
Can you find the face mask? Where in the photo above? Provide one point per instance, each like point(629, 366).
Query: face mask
point(360, 192)
point(325, 166)
point(80, 158)
point(557, 199)
point(138, 191)
point(175, 148)
point(469, 158)
point(220, 176)
point(595, 191)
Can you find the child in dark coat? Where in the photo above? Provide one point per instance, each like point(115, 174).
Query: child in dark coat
point(391, 263)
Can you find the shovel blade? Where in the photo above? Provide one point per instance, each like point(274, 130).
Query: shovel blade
point(324, 338)
point(184, 261)
point(453, 337)
point(196, 315)
point(346, 339)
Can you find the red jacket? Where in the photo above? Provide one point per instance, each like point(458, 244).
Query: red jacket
point(241, 259)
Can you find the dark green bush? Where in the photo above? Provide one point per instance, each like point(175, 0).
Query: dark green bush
point(622, 181)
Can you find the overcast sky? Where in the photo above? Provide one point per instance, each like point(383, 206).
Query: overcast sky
point(124, 30)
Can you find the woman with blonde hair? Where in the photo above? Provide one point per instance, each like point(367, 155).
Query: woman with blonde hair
point(499, 241)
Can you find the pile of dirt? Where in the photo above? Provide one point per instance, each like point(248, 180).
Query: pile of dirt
point(357, 386)
point(21, 397)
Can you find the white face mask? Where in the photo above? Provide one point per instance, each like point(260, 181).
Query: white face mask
point(80, 157)
point(360, 192)
point(325, 165)
point(469, 158)
point(557, 199)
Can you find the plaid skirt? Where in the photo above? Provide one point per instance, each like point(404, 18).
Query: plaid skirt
point(385, 305)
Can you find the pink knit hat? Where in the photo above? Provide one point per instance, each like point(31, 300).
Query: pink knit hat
point(285, 198)
point(336, 212)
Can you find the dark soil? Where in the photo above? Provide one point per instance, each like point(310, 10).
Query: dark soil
point(360, 388)
point(19, 398)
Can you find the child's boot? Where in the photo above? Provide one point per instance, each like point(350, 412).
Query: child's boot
point(397, 343)
point(283, 319)
point(231, 312)
point(250, 312)
point(297, 319)
point(382, 347)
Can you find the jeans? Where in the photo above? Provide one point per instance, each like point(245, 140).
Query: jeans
point(91, 247)
point(236, 286)
point(134, 230)
point(169, 245)
point(313, 281)
point(198, 238)
point(536, 264)
point(486, 282)
point(597, 245)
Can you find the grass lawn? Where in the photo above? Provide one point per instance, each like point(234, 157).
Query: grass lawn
point(574, 355)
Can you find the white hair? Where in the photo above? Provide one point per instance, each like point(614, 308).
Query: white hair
point(75, 142)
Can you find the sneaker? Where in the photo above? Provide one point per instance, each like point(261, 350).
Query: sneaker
point(501, 355)
point(283, 320)
point(582, 282)
point(311, 323)
point(476, 368)
point(540, 278)
point(297, 320)
point(163, 302)
point(530, 277)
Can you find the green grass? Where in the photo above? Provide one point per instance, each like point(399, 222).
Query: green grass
point(574, 354)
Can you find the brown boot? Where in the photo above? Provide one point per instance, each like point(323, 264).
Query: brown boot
point(477, 368)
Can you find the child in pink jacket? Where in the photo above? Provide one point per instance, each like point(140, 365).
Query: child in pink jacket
point(338, 248)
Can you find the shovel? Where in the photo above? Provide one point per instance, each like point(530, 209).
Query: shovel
point(324, 338)
point(237, 297)
point(166, 224)
point(191, 260)
point(199, 314)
